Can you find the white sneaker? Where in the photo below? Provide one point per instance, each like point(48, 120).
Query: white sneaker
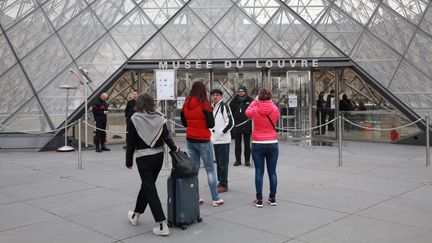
point(133, 217)
point(218, 203)
point(162, 229)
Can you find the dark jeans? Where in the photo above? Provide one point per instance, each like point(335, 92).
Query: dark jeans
point(238, 148)
point(267, 153)
point(100, 136)
point(222, 160)
point(149, 168)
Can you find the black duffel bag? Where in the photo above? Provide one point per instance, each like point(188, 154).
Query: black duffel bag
point(183, 165)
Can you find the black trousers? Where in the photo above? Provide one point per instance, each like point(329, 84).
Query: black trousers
point(100, 136)
point(238, 148)
point(149, 168)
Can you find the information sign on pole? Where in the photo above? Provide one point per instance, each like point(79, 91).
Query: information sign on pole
point(165, 80)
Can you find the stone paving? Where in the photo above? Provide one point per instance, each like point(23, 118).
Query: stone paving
point(382, 193)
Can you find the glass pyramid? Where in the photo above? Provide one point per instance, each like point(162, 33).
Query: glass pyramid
point(40, 41)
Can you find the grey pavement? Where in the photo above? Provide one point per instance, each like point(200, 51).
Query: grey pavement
point(382, 193)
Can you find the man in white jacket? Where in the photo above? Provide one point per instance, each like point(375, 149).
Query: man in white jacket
point(221, 137)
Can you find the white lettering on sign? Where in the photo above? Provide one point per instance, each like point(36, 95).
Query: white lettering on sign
point(281, 63)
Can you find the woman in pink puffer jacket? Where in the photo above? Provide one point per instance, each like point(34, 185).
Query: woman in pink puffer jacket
point(265, 150)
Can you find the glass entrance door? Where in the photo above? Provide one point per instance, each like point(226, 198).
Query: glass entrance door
point(299, 103)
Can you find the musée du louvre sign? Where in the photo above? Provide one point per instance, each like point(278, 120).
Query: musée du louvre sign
point(200, 64)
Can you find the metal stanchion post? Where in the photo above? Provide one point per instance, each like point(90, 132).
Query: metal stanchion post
point(340, 140)
point(66, 148)
point(79, 145)
point(427, 142)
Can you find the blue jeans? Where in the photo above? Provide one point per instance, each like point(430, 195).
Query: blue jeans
point(222, 160)
point(265, 153)
point(205, 151)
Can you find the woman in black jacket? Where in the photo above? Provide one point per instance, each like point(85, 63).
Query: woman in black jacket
point(146, 136)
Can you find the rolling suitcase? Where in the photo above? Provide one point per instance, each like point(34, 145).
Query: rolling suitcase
point(183, 207)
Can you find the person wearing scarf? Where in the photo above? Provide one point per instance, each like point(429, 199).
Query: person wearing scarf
point(146, 136)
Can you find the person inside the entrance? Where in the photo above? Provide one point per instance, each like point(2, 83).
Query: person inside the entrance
point(197, 117)
point(243, 126)
point(100, 112)
point(321, 112)
point(330, 106)
point(130, 109)
point(221, 137)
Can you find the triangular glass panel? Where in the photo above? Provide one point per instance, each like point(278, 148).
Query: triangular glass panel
point(45, 62)
point(392, 29)
point(29, 32)
point(210, 11)
point(360, 10)
point(111, 11)
point(160, 11)
point(315, 46)
point(259, 10)
point(76, 38)
point(426, 23)
point(15, 91)
point(409, 79)
point(133, 31)
point(340, 29)
point(184, 31)
point(236, 30)
point(61, 11)
point(410, 9)
point(157, 48)
point(310, 11)
point(7, 58)
point(376, 59)
point(287, 30)
point(102, 60)
point(12, 10)
point(210, 48)
point(264, 47)
point(53, 98)
point(419, 52)
point(28, 119)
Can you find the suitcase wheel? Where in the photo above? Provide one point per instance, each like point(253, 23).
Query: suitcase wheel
point(183, 227)
point(199, 219)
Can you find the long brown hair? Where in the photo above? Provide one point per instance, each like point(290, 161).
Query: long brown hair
point(199, 91)
point(145, 102)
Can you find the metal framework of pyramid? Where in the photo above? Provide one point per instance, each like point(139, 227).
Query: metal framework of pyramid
point(41, 41)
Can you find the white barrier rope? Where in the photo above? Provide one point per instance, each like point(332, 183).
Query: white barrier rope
point(116, 132)
point(307, 129)
point(383, 129)
point(30, 132)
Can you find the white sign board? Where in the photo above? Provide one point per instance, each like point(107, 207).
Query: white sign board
point(180, 102)
point(292, 101)
point(165, 80)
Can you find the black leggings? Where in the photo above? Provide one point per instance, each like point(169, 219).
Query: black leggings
point(149, 168)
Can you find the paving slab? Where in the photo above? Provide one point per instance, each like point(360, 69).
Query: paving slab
point(298, 219)
point(402, 211)
point(204, 232)
point(382, 193)
point(10, 215)
point(357, 229)
point(57, 230)
point(334, 198)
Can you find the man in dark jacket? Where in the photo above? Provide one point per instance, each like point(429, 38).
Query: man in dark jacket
point(100, 111)
point(243, 126)
point(129, 110)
